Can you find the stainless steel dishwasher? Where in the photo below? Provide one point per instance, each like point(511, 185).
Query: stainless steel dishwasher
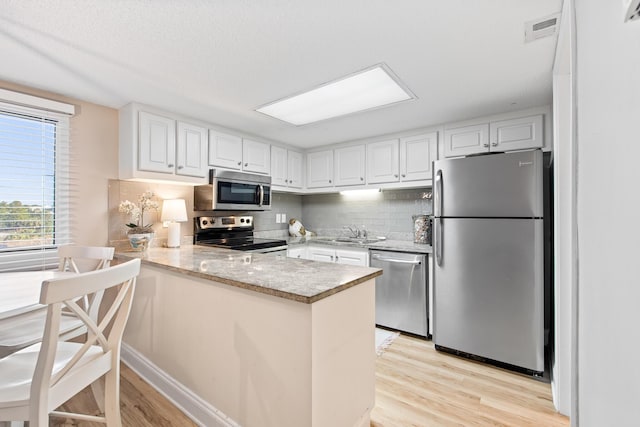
point(402, 291)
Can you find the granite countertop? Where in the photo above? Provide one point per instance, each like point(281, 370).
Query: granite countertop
point(389, 245)
point(294, 279)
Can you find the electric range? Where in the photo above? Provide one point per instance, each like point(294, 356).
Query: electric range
point(233, 232)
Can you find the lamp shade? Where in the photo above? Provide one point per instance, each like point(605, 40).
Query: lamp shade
point(174, 210)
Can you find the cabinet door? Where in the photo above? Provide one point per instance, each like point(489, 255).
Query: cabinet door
point(297, 252)
point(382, 162)
point(225, 150)
point(321, 254)
point(350, 257)
point(466, 140)
point(157, 143)
point(417, 154)
point(294, 169)
point(279, 174)
point(517, 134)
point(349, 165)
point(256, 156)
point(320, 169)
point(192, 150)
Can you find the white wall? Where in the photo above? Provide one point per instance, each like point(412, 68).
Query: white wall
point(608, 138)
point(565, 260)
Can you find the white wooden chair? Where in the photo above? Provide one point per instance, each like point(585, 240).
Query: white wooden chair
point(26, 329)
point(38, 379)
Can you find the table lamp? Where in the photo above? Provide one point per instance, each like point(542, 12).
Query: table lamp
point(174, 211)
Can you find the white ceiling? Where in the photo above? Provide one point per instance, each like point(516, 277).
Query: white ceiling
point(219, 60)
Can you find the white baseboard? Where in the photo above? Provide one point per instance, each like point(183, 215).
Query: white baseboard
point(200, 411)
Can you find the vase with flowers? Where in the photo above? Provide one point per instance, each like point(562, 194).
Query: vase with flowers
point(139, 233)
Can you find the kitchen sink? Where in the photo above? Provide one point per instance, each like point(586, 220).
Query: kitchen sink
point(361, 240)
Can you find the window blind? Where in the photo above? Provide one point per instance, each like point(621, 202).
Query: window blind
point(36, 186)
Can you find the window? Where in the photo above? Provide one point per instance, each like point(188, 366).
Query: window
point(35, 187)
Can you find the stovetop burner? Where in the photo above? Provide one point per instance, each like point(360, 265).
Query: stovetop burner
point(232, 232)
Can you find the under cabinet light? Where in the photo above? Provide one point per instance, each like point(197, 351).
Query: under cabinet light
point(366, 194)
point(374, 87)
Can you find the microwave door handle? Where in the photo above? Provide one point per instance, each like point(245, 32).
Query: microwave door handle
point(261, 195)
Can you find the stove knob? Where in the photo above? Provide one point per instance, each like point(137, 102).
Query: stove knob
point(248, 221)
point(241, 219)
point(205, 222)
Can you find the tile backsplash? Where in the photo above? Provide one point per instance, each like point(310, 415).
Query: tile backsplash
point(387, 213)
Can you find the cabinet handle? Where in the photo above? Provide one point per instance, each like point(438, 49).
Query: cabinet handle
point(246, 164)
point(361, 179)
point(170, 165)
point(403, 175)
point(239, 163)
point(494, 144)
point(486, 144)
point(336, 258)
point(329, 181)
point(180, 167)
point(395, 175)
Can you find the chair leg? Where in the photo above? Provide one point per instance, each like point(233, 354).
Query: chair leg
point(112, 397)
point(97, 388)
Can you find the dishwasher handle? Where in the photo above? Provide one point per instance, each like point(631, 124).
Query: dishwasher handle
point(394, 260)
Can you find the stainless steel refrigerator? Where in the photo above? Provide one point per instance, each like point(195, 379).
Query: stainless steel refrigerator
point(489, 258)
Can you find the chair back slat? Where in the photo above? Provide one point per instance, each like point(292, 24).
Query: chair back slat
point(80, 259)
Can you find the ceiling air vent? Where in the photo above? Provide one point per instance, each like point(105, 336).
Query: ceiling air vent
point(547, 26)
point(632, 12)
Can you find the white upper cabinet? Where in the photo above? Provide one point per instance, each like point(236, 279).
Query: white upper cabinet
point(382, 162)
point(225, 150)
point(466, 140)
point(294, 168)
point(256, 157)
point(233, 152)
point(320, 169)
point(157, 146)
point(286, 167)
point(516, 134)
point(350, 165)
point(499, 135)
point(279, 173)
point(191, 156)
point(157, 143)
point(417, 154)
point(404, 160)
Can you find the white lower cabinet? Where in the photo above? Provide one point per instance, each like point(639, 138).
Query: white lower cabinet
point(352, 257)
point(339, 256)
point(298, 251)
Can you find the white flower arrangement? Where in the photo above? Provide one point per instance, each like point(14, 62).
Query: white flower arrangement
point(145, 203)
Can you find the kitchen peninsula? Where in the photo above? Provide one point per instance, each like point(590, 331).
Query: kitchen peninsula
point(255, 339)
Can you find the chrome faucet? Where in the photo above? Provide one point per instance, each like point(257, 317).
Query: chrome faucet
point(355, 232)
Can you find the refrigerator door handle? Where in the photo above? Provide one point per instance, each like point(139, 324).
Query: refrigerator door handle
point(437, 235)
point(437, 197)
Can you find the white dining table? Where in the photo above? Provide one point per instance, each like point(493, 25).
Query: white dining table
point(20, 291)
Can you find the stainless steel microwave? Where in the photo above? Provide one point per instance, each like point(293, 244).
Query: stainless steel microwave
point(233, 191)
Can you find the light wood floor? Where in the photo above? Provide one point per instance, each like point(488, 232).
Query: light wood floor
point(418, 386)
point(415, 386)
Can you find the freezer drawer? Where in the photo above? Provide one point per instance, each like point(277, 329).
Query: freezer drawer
point(488, 289)
point(493, 185)
point(401, 291)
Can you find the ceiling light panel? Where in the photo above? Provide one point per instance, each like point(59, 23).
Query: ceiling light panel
point(372, 88)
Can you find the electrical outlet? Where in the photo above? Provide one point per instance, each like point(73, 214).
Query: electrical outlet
point(278, 218)
point(284, 218)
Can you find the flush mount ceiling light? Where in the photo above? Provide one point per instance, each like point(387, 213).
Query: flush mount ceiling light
point(374, 87)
